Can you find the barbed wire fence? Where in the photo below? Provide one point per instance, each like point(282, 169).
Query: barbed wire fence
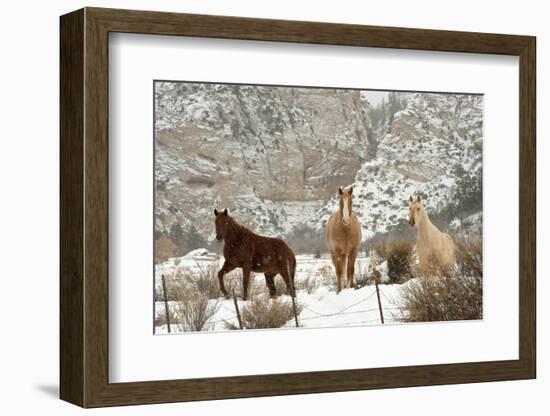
point(345, 311)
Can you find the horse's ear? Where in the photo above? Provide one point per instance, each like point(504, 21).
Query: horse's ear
point(340, 191)
point(350, 190)
point(225, 212)
point(418, 197)
point(215, 212)
point(411, 199)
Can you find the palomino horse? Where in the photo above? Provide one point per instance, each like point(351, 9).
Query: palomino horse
point(343, 237)
point(434, 248)
point(253, 253)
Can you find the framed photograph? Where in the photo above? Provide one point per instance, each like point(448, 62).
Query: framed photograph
point(255, 207)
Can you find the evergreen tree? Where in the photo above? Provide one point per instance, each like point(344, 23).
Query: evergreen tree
point(194, 239)
point(178, 238)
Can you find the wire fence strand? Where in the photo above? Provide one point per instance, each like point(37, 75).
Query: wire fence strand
point(342, 310)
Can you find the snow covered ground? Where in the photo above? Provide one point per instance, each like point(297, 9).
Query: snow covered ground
point(315, 282)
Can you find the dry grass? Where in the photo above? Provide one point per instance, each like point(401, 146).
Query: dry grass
point(469, 257)
point(256, 286)
point(309, 284)
point(398, 253)
point(160, 319)
point(399, 260)
point(262, 313)
point(445, 298)
point(175, 283)
point(365, 275)
point(194, 309)
point(328, 278)
point(206, 281)
point(448, 296)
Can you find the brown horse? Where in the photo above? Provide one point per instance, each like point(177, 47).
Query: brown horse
point(343, 237)
point(253, 253)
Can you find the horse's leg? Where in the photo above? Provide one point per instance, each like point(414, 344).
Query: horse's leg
point(270, 284)
point(338, 261)
point(351, 267)
point(226, 268)
point(246, 279)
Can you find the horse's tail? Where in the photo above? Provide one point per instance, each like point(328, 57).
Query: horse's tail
point(291, 267)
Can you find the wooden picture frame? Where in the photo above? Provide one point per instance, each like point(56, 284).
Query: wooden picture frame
point(84, 207)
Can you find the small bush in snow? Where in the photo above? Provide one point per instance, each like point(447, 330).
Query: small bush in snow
point(206, 281)
point(398, 255)
point(328, 279)
point(469, 257)
point(309, 283)
point(264, 313)
point(458, 296)
point(194, 309)
point(175, 283)
point(160, 319)
point(445, 298)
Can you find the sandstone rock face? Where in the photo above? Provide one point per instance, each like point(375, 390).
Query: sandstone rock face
point(268, 154)
point(275, 156)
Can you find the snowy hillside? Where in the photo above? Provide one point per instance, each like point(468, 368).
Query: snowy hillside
point(430, 137)
point(275, 157)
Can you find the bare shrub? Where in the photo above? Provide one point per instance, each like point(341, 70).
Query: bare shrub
point(398, 253)
point(309, 283)
point(264, 313)
point(233, 282)
point(194, 309)
point(365, 275)
point(160, 319)
point(328, 278)
point(280, 286)
point(379, 248)
point(446, 298)
point(206, 281)
point(469, 257)
point(363, 280)
point(256, 286)
point(175, 283)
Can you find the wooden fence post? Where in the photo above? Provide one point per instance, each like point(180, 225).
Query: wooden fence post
point(237, 309)
point(166, 308)
point(379, 302)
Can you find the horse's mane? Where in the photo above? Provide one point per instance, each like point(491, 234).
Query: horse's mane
point(237, 228)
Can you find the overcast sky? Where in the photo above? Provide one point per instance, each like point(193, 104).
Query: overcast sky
point(375, 97)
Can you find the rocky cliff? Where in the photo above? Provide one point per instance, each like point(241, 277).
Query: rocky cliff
point(276, 156)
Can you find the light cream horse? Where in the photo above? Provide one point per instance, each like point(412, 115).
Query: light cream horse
point(435, 249)
point(343, 237)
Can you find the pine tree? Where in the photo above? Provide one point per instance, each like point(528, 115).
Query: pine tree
point(177, 236)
